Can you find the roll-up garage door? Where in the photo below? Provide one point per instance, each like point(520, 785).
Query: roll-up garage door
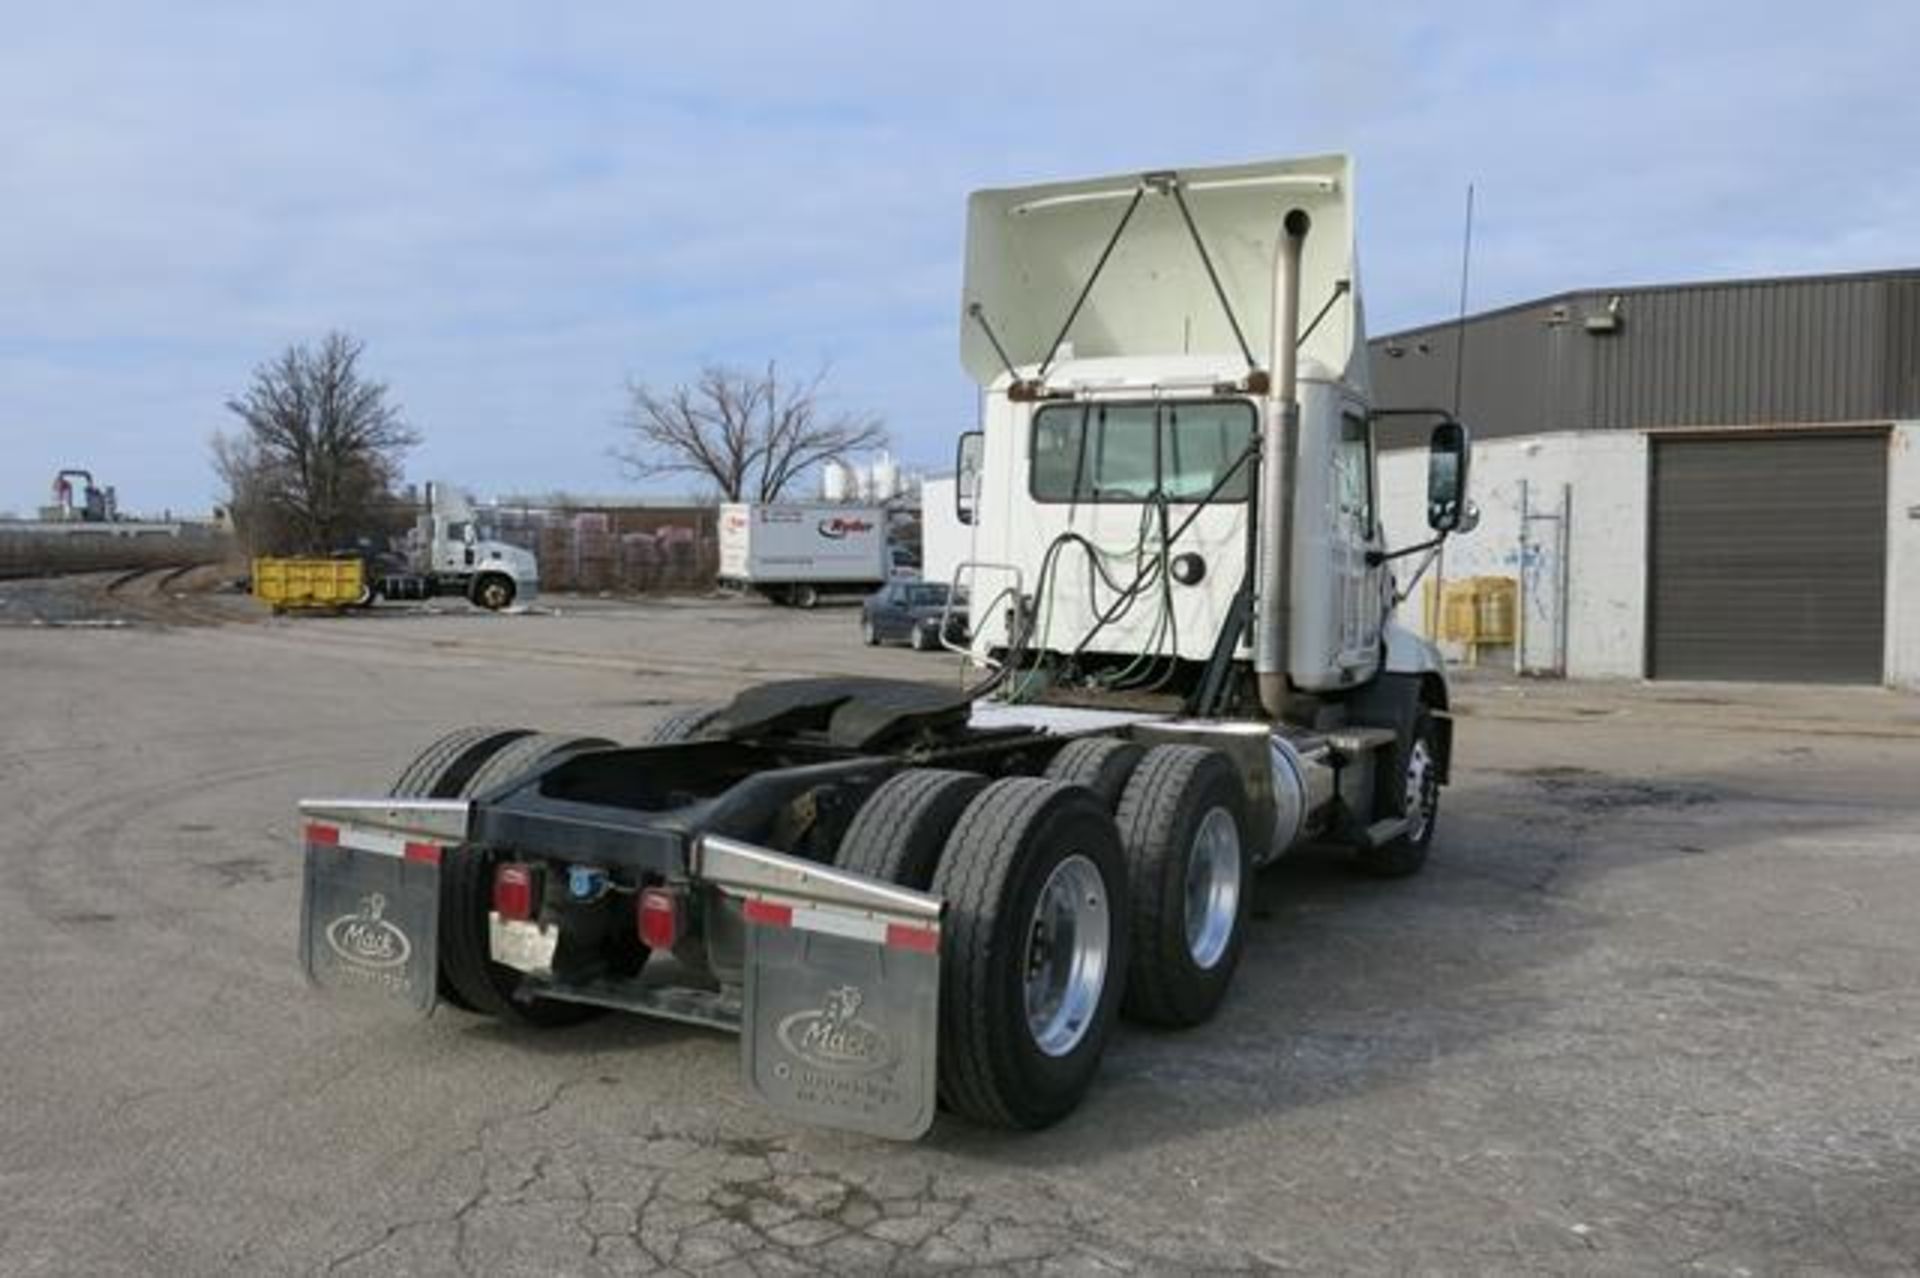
point(1768, 558)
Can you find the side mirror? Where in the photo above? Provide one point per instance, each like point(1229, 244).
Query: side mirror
point(1447, 454)
point(966, 470)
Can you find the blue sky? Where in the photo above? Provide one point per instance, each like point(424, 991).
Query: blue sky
point(519, 207)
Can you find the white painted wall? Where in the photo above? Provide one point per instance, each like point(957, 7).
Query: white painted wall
point(1606, 599)
point(1903, 556)
point(1602, 476)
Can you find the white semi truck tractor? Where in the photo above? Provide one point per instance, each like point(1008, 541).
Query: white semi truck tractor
point(900, 895)
point(448, 553)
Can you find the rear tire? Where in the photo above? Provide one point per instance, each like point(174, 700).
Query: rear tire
point(459, 765)
point(869, 633)
point(806, 596)
point(1102, 764)
point(923, 640)
point(1035, 951)
point(466, 962)
point(466, 899)
point(1408, 783)
point(439, 771)
point(523, 756)
point(1184, 821)
point(681, 725)
point(898, 833)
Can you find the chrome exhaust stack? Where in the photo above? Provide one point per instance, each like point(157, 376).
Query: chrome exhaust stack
point(1279, 445)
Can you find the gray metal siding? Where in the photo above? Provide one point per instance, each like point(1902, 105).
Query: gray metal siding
point(1768, 558)
point(1761, 352)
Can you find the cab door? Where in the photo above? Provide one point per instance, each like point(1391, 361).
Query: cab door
point(1356, 535)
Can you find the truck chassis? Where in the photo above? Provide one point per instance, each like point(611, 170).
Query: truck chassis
point(893, 894)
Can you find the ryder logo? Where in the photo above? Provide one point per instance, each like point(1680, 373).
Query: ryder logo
point(836, 527)
point(367, 939)
point(832, 1037)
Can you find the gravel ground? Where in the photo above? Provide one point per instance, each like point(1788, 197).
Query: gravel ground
point(168, 596)
point(1655, 1005)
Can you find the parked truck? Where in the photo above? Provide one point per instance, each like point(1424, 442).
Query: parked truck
point(449, 554)
point(800, 554)
point(898, 893)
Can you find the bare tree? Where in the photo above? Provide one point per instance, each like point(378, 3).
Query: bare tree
point(750, 434)
point(315, 462)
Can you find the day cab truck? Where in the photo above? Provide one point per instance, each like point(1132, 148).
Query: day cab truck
point(448, 554)
point(904, 896)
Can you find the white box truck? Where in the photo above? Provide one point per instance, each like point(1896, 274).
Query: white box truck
point(798, 554)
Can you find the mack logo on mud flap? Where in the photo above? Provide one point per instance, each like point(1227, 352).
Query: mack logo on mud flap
point(365, 939)
point(832, 1037)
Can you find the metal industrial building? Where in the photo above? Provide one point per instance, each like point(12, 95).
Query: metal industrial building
point(1693, 481)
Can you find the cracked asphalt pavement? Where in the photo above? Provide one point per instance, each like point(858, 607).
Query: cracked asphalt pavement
point(1654, 1006)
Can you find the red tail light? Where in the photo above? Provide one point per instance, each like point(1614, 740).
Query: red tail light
point(516, 891)
point(661, 916)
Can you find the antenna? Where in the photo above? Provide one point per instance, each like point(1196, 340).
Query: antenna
point(1460, 325)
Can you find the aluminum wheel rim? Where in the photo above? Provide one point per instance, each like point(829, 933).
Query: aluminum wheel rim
point(1068, 942)
point(1213, 887)
point(1421, 791)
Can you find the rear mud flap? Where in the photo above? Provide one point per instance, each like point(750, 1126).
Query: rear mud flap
point(370, 918)
point(840, 1023)
point(841, 1032)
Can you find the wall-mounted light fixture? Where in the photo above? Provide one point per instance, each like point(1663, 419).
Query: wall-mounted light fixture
point(1607, 321)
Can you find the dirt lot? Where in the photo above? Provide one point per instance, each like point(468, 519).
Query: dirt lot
point(1655, 1006)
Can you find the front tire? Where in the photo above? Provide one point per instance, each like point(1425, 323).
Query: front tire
point(1183, 817)
point(1409, 786)
point(493, 592)
point(1036, 951)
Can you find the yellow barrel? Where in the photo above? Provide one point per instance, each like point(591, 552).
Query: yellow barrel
point(1478, 610)
point(1495, 609)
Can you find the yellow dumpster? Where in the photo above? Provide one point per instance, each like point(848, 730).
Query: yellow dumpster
point(285, 584)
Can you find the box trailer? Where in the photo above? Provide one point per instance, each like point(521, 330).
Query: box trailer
point(798, 554)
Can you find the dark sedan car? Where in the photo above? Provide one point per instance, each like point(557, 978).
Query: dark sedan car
point(911, 611)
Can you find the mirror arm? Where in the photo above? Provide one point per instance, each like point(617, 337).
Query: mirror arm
point(1377, 557)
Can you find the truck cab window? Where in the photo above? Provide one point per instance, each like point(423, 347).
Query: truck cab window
point(1129, 452)
point(1202, 442)
point(1120, 460)
point(1353, 473)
